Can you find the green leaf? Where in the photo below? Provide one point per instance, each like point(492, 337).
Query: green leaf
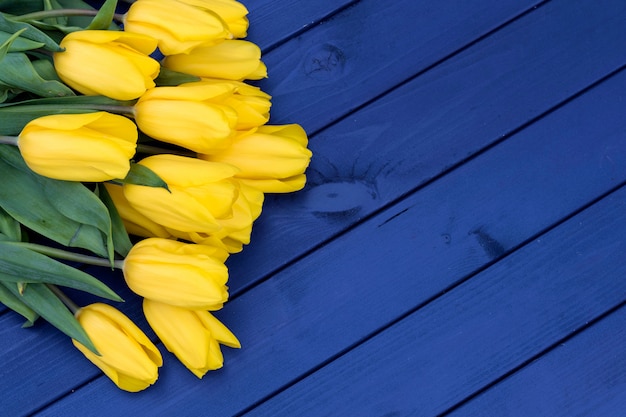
point(104, 18)
point(64, 211)
point(121, 241)
point(81, 21)
point(9, 228)
point(16, 304)
point(18, 44)
point(8, 42)
point(14, 116)
point(13, 119)
point(18, 263)
point(63, 29)
point(53, 5)
point(45, 303)
point(84, 101)
point(167, 77)
point(142, 175)
point(9, 26)
point(16, 70)
point(45, 69)
point(20, 7)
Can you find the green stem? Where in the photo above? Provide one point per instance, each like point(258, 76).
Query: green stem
point(113, 109)
point(70, 256)
point(44, 14)
point(64, 298)
point(9, 140)
point(80, 107)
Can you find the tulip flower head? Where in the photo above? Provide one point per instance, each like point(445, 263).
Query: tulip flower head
point(193, 336)
point(135, 223)
point(79, 147)
point(231, 12)
point(192, 115)
point(235, 231)
point(109, 63)
point(127, 356)
point(200, 193)
point(176, 273)
point(178, 26)
point(270, 158)
point(228, 60)
point(251, 104)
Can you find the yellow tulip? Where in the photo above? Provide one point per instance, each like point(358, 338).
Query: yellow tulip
point(135, 223)
point(229, 60)
point(79, 147)
point(251, 104)
point(127, 356)
point(109, 63)
point(235, 231)
point(200, 192)
point(193, 336)
point(182, 274)
point(270, 158)
point(246, 209)
point(177, 26)
point(192, 115)
point(232, 13)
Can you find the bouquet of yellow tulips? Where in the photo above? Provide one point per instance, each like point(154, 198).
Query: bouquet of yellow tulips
point(130, 139)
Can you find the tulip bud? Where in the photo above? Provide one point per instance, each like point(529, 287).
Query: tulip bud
point(251, 104)
point(229, 60)
point(177, 26)
point(109, 63)
point(235, 231)
point(127, 356)
point(90, 147)
point(200, 192)
point(177, 273)
point(193, 336)
point(270, 158)
point(135, 223)
point(192, 115)
point(231, 12)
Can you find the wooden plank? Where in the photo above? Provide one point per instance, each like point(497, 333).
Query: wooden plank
point(472, 335)
point(430, 124)
point(375, 274)
point(272, 17)
point(474, 23)
point(334, 220)
point(367, 49)
point(272, 21)
point(585, 376)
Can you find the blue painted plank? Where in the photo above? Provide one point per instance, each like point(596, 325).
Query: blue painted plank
point(474, 25)
point(371, 135)
point(481, 330)
point(81, 369)
point(585, 376)
point(273, 21)
point(438, 120)
point(375, 274)
point(368, 49)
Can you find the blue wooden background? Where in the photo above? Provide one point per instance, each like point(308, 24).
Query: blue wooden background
point(459, 249)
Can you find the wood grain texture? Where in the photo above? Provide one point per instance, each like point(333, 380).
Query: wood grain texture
point(432, 123)
point(272, 21)
point(440, 147)
point(481, 330)
point(353, 287)
point(585, 376)
point(368, 49)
